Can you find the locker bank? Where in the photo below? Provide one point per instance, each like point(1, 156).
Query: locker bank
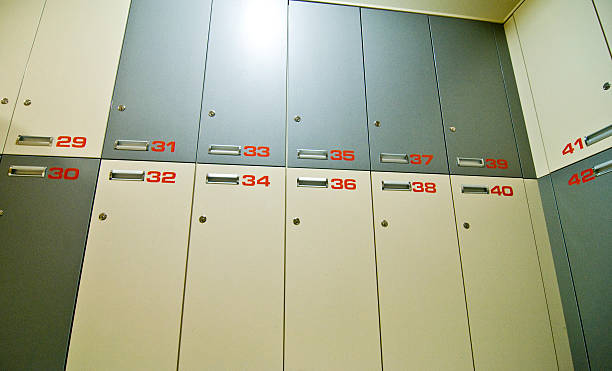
point(305, 185)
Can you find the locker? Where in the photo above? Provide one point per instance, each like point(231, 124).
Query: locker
point(331, 313)
point(506, 303)
point(327, 123)
point(155, 111)
point(604, 12)
point(419, 274)
point(18, 22)
point(128, 310)
point(584, 209)
point(404, 119)
point(559, 38)
point(477, 124)
point(244, 102)
point(67, 86)
point(233, 311)
point(45, 204)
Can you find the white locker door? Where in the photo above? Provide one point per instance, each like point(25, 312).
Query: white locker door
point(18, 22)
point(568, 64)
point(128, 309)
point(331, 313)
point(66, 93)
point(233, 312)
point(507, 308)
point(424, 324)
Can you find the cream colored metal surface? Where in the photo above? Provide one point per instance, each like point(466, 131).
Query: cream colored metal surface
point(486, 10)
point(128, 309)
point(331, 314)
point(18, 23)
point(419, 277)
point(529, 110)
point(559, 38)
point(70, 76)
point(509, 321)
point(549, 276)
point(604, 10)
point(233, 311)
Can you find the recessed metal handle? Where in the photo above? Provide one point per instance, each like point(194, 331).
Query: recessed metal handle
point(396, 186)
point(222, 149)
point(30, 171)
point(598, 136)
point(136, 175)
point(222, 178)
point(28, 140)
point(470, 162)
point(475, 189)
point(312, 154)
point(312, 182)
point(603, 168)
point(131, 145)
point(396, 158)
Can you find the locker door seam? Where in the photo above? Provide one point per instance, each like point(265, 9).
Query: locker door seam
point(376, 269)
point(602, 28)
point(365, 89)
point(200, 126)
point(285, 173)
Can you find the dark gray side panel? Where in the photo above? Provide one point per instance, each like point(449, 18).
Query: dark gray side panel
point(43, 229)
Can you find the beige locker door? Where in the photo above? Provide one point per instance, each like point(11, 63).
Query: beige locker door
point(233, 312)
point(66, 93)
point(568, 63)
point(507, 308)
point(331, 314)
point(128, 309)
point(18, 23)
point(604, 11)
point(424, 324)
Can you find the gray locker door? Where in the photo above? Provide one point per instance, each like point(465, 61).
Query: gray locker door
point(477, 124)
point(327, 123)
point(45, 203)
point(405, 124)
point(155, 111)
point(244, 103)
point(586, 217)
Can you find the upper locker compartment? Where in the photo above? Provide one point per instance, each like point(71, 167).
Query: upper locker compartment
point(64, 98)
point(18, 22)
point(155, 111)
point(327, 124)
point(244, 101)
point(404, 119)
point(477, 124)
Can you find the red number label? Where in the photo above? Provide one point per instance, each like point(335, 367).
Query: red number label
point(56, 173)
point(168, 177)
point(250, 151)
point(153, 177)
point(502, 191)
point(65, 141)
point(492, 163)
point(161, 146)
point(429, 158)
point(337, 184)
point(71, 174)
point(587, 175)
point(417, 187)
point(338, 155)
point(415, 159)
point(264, 180)
point(263, 151)
point(574, 180)
point(424, 187)
point(249, 180)
point(349, 184)
point(60, 173)
point(569, 148)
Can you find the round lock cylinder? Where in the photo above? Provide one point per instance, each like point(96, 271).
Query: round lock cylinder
point(212, 113)
point(4, 101)
point(102, 216)
point(202, 219)
point(296, 221)
point(384, 223)
point(121, 108)
point(466, 225)
point(27, 102)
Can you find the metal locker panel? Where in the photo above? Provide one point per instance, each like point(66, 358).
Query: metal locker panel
point(558, 39)
point(18, 23)
point(45, 203)
point(244, 102)
point(584, 209)
point(157, 96)
point(327, 123)
point(506, 303)
point(234, 295)
point(66, 91)
point(477, 124)
point(331, 313)
point(128, 310)
point(419, 274)
point(402, 96)
point(604, 12)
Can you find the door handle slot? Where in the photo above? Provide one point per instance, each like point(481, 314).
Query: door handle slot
point(396, 186)
point(312, 154)
point(395, 158)
point(603, 168)
point(470, 162)
point(29, 171)
point(222, 149)
point(136, 175)
point(475, 189)
point(131, 145)
point(222, 178)
point(598, 136)
point(28, 140)
point(312, 182)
